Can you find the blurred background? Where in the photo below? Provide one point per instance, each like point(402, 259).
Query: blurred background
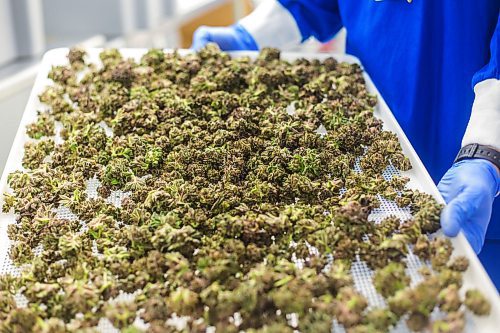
point(28, 28)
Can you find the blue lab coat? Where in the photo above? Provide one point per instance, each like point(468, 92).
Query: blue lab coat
point(424, 56)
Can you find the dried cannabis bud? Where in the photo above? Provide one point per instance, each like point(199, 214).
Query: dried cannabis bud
point(390, 279)
point(453, 322)
point(449, 299)
point(477, 303)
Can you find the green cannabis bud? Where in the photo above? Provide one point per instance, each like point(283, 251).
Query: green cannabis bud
point(390, 279)
point(477, 303)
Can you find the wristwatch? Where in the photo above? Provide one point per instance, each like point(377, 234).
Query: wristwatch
point(479, 151)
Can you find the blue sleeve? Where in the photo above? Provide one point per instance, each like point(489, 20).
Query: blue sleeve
point(318, 18)
point(492, 68)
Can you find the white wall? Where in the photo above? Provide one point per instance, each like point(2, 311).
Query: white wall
point(82, 18)
point(11, 112)
point(7, 39)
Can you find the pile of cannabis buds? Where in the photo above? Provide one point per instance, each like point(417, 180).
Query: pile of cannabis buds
point(228, 185)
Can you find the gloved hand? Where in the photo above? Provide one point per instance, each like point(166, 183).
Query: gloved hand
point(232, 38)
point(469, 188)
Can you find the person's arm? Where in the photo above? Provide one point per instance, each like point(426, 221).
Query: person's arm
point(470, 186)
point(285, 23)
point(484, 123)
point(280, 24)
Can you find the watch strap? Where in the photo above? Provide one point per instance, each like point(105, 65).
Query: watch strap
point(479, 151)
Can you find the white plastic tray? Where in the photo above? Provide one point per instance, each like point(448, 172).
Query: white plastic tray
point(475, 277)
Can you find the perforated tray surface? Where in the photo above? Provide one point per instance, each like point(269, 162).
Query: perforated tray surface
point(475, 277)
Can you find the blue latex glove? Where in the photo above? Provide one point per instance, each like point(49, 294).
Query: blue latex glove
point(233, 38)
point(469, 188)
